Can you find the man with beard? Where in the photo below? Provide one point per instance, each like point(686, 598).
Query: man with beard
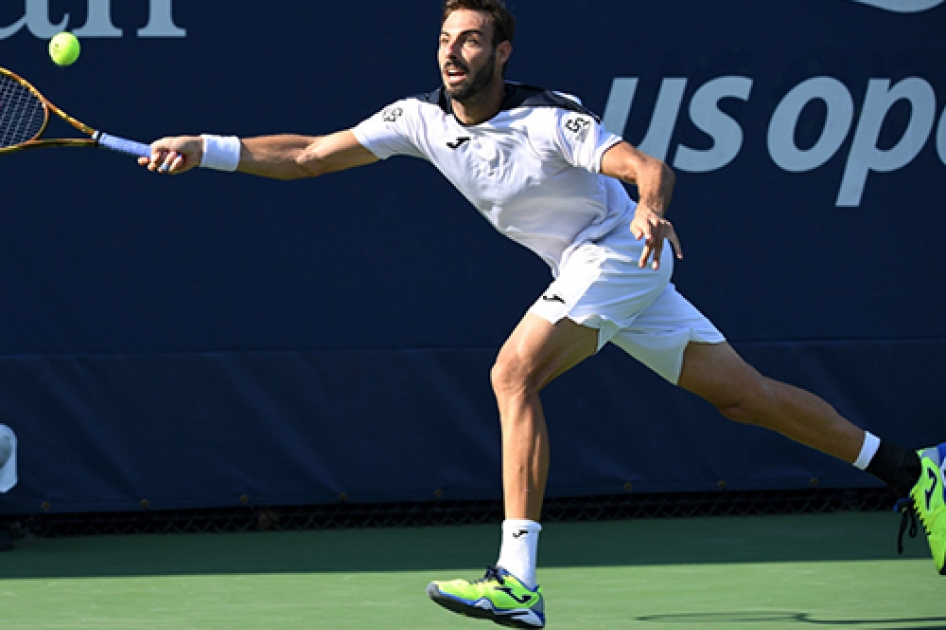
point(544, 172)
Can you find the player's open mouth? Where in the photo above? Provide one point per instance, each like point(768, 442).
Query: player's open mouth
point(453, 75)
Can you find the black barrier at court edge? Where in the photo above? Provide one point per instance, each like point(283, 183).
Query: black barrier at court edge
point(191, 341)
point(438, 513)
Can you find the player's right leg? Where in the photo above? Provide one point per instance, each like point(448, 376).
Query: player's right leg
point(536, 353)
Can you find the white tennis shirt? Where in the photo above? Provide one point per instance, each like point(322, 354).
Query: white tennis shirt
point(533, 170)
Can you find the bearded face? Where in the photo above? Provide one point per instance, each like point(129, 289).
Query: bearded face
point(467, 55)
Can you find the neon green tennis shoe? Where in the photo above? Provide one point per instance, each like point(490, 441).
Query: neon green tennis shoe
point(928, 498)
point(498, 595)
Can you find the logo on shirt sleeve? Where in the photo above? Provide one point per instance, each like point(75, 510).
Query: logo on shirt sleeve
point(392, 113)
point(579, 125)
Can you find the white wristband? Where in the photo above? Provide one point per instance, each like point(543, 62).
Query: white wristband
point(221, 153)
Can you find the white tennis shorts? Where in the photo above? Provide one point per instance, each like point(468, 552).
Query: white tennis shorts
point(600, 285)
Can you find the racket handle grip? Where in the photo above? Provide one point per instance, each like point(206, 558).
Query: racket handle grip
point(122, 145)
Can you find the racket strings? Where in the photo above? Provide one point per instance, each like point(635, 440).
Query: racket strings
point(22, 113)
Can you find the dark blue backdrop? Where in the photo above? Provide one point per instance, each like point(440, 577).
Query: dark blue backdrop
point(195, 340)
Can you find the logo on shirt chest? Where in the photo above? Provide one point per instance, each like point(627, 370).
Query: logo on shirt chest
point(456, 143)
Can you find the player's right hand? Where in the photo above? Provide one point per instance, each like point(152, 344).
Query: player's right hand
point(174, 155)
point(650, 226)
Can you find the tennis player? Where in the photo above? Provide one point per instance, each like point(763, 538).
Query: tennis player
point(542, 169)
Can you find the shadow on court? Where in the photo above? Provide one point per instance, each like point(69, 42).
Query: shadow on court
point(814, 538)
point(754, 619)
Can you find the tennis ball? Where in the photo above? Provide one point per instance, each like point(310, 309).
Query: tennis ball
point(64, 49)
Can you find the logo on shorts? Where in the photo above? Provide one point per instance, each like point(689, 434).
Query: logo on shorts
point(553, 298)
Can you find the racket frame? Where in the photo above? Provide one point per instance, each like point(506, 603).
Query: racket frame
point(96, 138)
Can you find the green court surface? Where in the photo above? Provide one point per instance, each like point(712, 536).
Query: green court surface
point(793, 572)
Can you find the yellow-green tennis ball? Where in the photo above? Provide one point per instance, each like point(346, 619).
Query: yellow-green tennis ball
point(64, 49)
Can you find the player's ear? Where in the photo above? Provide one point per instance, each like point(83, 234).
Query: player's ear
point(503, 52)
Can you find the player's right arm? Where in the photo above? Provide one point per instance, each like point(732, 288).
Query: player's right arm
point(286, 156)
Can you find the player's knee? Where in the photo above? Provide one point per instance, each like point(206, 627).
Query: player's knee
point(748, 407)
point(738, 411)
point(510, 375)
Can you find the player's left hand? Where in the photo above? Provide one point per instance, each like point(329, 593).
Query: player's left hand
point(653, 228)
point(174, 155)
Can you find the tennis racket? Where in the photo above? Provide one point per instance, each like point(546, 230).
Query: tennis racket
point(24, 115)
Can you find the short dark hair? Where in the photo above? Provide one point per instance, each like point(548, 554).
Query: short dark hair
point(504, 25)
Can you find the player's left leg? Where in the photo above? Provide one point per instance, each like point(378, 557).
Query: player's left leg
point(716, 373)
point(535, 353)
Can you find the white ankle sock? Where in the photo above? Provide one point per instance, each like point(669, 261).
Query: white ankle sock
point(519, 549)
point(868, 450)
